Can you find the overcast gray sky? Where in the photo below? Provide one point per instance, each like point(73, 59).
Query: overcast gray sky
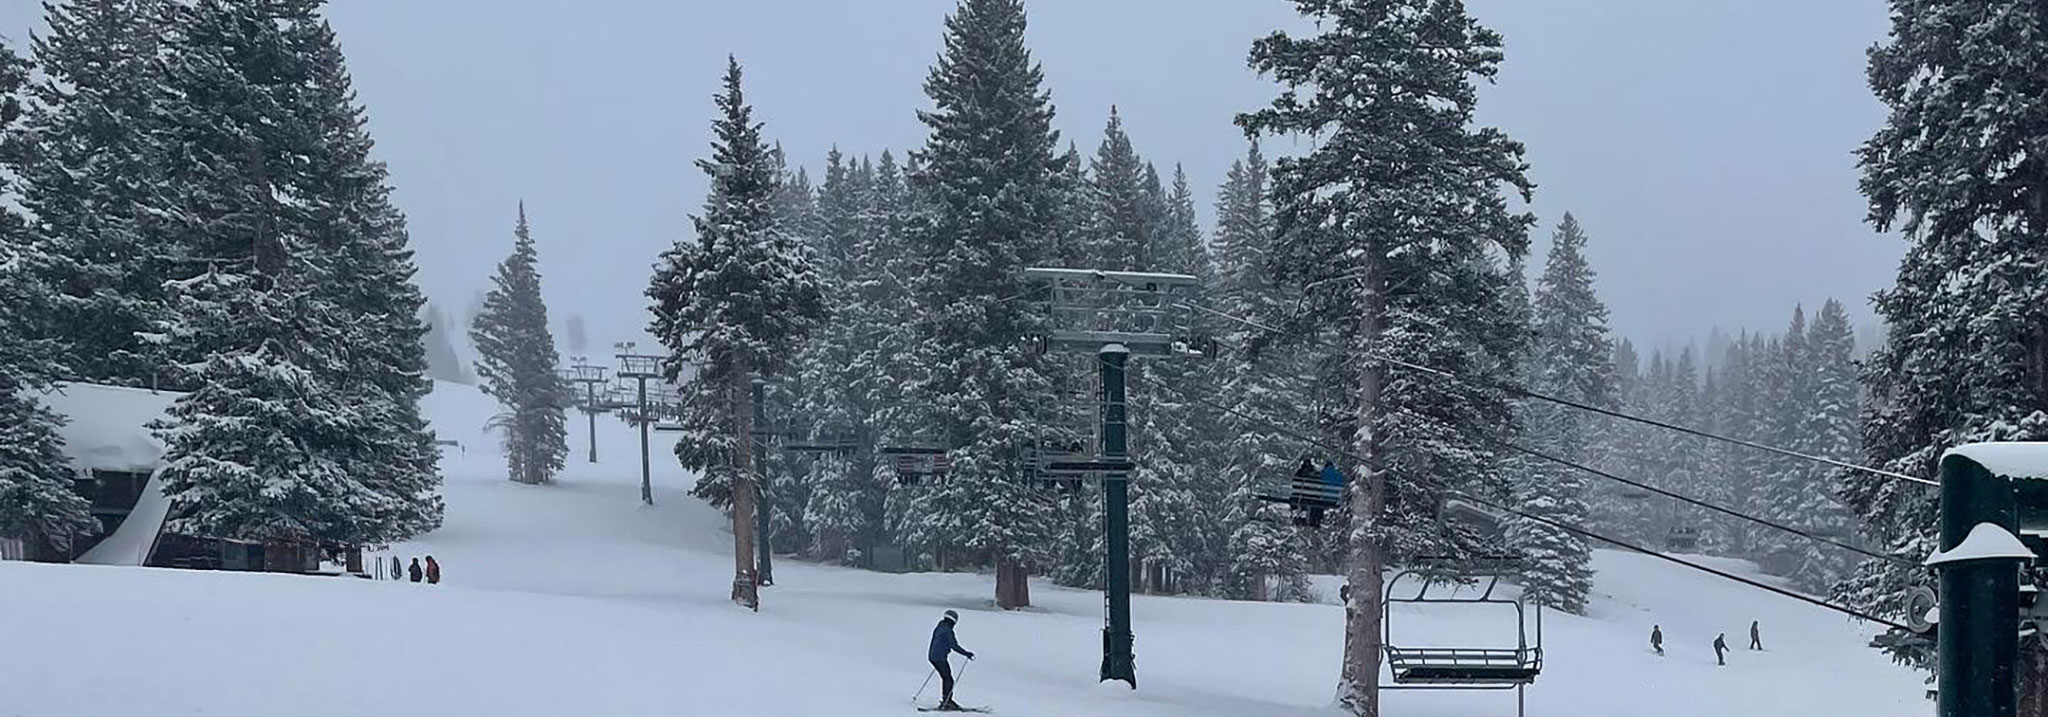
point(1705, 145)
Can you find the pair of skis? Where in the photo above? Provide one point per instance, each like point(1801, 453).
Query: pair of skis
point(956, 708)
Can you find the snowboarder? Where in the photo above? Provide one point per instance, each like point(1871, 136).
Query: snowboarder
point(1720, 649)
point(943, 646)
point(414, 571)
point(1657, 639)
point(433, 571)
point(1755, 641)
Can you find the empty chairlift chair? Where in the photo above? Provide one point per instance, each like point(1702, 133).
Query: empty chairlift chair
point(1427, 665)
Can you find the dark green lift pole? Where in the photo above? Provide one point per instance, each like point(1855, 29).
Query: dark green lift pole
point(1978, 643)
point(1117, 662)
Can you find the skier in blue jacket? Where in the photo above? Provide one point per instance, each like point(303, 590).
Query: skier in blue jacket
point(943, 647)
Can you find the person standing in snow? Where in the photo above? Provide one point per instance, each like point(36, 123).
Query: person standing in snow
point(942, 648)
point(1756, 642)
point(414, 571)
point(433, 571)
point(1657, 639)
point(1720, 649)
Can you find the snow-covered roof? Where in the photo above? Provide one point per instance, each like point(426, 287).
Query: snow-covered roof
point(1985, 542)
point(2015, 459)
point(107, 427)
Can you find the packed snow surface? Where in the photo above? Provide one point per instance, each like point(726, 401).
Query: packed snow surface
point(573, 599)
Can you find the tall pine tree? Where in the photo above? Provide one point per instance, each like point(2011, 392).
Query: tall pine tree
point(1393, 218)
point(294, 312)
point(1265, 550)
point(1955, 170)
point(516, 363)
point(730, 304)
point(1571, 358)
point(91, 161)
point(990, 178)
point(37, 504)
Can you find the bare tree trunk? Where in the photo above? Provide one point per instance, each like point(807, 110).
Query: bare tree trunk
point(1360, 686)
point(745, 591)
point(1013, 584)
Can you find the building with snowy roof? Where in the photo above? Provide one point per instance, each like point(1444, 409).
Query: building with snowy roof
point(118, 460)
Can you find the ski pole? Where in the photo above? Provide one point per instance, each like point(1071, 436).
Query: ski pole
point(927, 683)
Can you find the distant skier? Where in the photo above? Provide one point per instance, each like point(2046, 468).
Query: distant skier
point(414, 571)
point(1720, 649)
point(1755, 641)
point(433, 571)
point(943, 646)
point(1657, 639)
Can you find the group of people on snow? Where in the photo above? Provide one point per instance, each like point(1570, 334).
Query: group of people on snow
point(430, 572)
point(1756, 642)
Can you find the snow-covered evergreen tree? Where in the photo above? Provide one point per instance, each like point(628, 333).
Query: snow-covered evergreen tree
point(840, 397)
point(1170, 517)
point(990, 181)
point(367, 273)
point(730, 304)
point(37, 503)
point(1627, 511)
point(1395, 216)
point(90, 161)
point(1954, 170)
point(1120, 225)
point(1263, 546)
point(293, 288)
point(517, 364)
point(1683, 460)
point(1571, 358)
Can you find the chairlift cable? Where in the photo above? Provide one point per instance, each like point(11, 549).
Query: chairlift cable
point(1335, 450)
point(1568, 403)
point(1701, 503)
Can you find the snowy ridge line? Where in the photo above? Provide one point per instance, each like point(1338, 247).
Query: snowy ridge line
point(1694, 501)
point(1526, 393)
point(1582, 532)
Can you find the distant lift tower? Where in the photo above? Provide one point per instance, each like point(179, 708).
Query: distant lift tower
point(591, 377)
point(1112, 316)
point(639, 368)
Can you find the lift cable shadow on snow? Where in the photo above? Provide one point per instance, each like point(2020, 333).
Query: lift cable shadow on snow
point(1568, 403)
point(1582, 532)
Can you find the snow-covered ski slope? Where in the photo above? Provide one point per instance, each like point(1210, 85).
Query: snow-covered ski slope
point(573, 599)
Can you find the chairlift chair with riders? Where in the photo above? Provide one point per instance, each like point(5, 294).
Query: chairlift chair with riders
point(1310, 490)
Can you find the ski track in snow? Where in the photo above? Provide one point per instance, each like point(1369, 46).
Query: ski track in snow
point(574, 599)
